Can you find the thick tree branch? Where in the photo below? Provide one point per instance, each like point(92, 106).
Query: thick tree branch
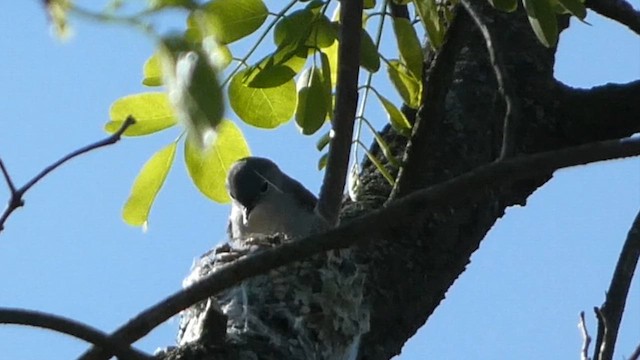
point(345, 111)
point(69, 327)
point(618, 10)
point(609, 109)
point(379, 224)
point(16, 200)
point(505, 87)
point(610, 313)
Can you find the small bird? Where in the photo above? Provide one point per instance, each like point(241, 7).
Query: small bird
point(266, 201)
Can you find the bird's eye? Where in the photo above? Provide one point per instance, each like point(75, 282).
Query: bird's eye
point(264, 187)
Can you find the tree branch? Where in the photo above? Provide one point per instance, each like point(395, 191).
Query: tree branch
point(345, 111)
point(610, 313)
point(618, 10)
point(379, 224)
point(69, 327)
point(16, 200)
point(505, 87)
point(586, 339)
point(608, 109)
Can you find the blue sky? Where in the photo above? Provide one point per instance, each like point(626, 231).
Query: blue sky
point(68, 252)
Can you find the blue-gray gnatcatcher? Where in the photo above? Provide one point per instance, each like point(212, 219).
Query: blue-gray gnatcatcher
point(266, 201)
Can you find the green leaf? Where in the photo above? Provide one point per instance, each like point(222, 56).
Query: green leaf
point(231, 20)
point(322, 162)
point(408, 45)
point(293, 28)
point(504, 5)
point(323, 141)
point(543, 21)
point(160, 4)
point(396, 117)
point(208, 169)
point(274, 70)
point(332, 55)
point(147, 185)
point(262, 107)
point(152, 71)
point(369, 57)
point(408, 86)
point(575, 8)
point(312, 105)
point(428, 12)
point(194, 90)
point(219, 54)
point(369, 4)
point(326, 75)
point(385, 173)
point(152, 111)
point(323, 33)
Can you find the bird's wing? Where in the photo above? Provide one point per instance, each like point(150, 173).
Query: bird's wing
point(305, 197)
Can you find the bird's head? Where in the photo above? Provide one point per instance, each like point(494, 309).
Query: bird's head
point(251, 180)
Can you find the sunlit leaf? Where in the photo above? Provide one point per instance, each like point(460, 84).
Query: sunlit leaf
point(275, 70)
point(543, 21)
point(147, 185)
point(408, 45)
point(262, 107)
point(152, 111)
point(219, 54)
point(396, 117)
point(152, 71)
point(505, 5)
point(58, 10)
point(407, 85)
point(311, 110)
point(369, 57)
point(159, 4)
point(369, 4)
point(428, 11)
point(208, 168)
point(332, 55)
point(385, 173)
point(231, 20)
point(574, 7)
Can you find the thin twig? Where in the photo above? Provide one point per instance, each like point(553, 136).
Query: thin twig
point(586, 339)
point(7, 177)
point(610, 313)
point(377, 224)
point(69, 327)
point(344, 114)
point(17, 195)
point(505, 88)
point(618, 10)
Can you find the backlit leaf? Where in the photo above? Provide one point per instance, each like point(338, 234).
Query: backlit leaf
point(262, 107)
point(208, 168)
point(396, 117)
point(231, 20)
point(430, 18)
point(274, 70)
point(147, 185)
point(575, 8)
point(152, 111)
point(543, 21)
point(152, 71)
point(407, 85)
point(311, 110)
point(408, 45)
